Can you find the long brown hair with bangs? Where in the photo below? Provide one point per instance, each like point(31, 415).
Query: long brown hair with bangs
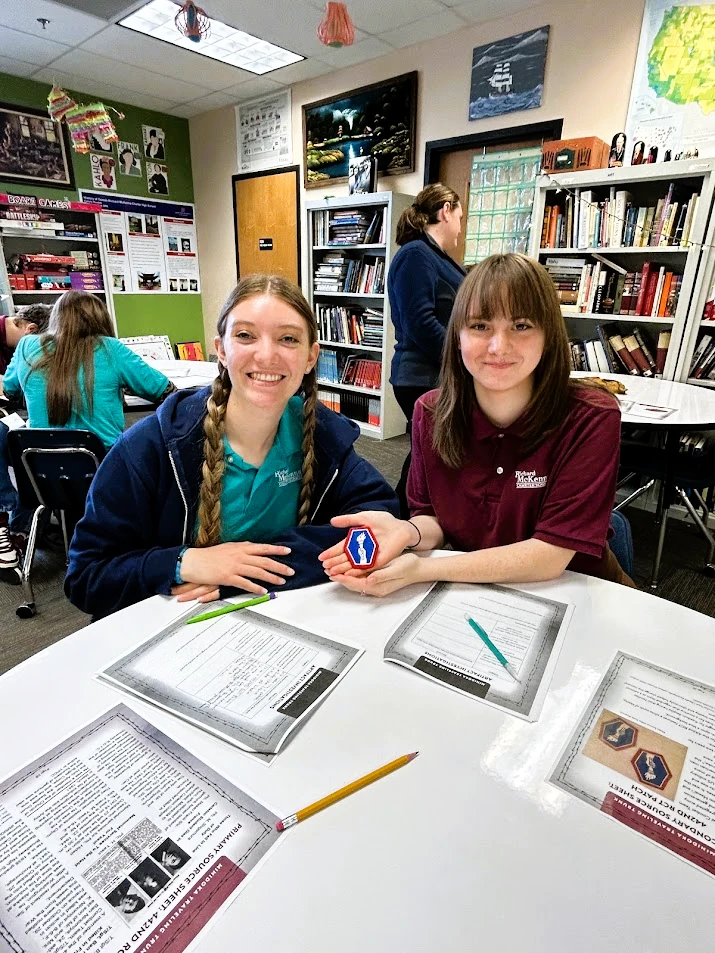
point(521, 287)
point(209, 527)
point(78, 320)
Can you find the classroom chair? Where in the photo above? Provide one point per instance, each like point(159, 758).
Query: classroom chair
point(683, 477)
point(54, 468)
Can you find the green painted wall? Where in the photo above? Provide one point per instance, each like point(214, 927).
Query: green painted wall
point(178, 316)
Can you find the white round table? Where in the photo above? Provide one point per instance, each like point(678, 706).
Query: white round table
point(467, 848)
point(694, 406)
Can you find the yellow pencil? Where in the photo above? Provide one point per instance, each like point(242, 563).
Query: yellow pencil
point(344, 792)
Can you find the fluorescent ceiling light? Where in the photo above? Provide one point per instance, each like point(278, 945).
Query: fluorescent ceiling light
point(223, 42)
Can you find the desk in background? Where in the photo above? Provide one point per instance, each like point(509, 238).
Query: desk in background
point(469, 848)
point(183, 374)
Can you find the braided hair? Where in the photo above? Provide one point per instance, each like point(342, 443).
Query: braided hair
point(209, 529)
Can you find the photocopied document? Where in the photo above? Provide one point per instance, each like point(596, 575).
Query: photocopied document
point(242, 676)
point(644, 754)
point(119, 839)
point(437, 641)
point(646, 411)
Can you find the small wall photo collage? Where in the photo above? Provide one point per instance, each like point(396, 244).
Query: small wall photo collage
point(111, 161)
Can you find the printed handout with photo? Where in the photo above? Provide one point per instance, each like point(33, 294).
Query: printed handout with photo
point(118, 283)
point(127, 900)
point(103, 171)
point(148, 281)
point(128, 154)
point(173, 243)
point(152, 224)
point(150, 877)
point(157, 178)
point(153, 139)
point(136, 224)
point(186, 244)
point(115, 241)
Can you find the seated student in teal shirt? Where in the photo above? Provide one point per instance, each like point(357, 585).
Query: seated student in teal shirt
point(231, 487)
point(74, 375)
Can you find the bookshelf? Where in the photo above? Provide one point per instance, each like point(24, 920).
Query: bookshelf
point(56, 240)
point(351, 242)
point(605, 234)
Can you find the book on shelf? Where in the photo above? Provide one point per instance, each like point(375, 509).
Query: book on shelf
point(702, 363)
point(346, 325)
point(361, 407)
point(588, 218)
point(616, 352)
point(357, 371)
point(605, 287)
point(348, 226)
point(336, 273)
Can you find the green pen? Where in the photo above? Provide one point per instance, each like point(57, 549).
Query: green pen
point(492, 647)
point(239, 605)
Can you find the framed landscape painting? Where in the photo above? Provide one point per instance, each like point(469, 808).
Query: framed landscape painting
point(377, 120)
point(34, 149)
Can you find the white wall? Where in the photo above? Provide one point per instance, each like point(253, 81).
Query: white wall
point(591, 55)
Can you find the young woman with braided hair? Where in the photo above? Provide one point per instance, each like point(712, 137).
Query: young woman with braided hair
point(230, 487)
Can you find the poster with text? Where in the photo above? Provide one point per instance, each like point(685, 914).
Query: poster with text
point(103, 171)
point(120, 839)
point(642, 753)
point(263, 127)
point(672, 104)
point(150, 244)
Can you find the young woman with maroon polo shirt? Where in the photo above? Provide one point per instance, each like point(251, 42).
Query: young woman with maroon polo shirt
point(513, 463)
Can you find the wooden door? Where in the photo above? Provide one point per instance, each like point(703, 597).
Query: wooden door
point(267, 223)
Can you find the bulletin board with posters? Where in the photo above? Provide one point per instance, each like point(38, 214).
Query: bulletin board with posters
point(149, 244)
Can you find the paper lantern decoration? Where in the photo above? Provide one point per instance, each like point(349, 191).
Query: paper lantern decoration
point(59, 103)
point(192, 22)
point(336, 28)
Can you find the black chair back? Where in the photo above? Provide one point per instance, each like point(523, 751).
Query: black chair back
point(54, 467)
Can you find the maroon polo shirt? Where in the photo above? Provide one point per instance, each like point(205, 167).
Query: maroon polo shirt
point(5, 351)
point(562, 493)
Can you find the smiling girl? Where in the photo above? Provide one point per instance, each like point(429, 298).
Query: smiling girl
point(513, 463)
point(229, 486)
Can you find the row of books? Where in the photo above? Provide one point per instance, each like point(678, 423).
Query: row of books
point(363, 275)
point(349, 227)
point(350, 325)
point(334, 368)
point(702, 364)
point(613, 352)
point(603, 287)
point(356, 406)
point(583, 220)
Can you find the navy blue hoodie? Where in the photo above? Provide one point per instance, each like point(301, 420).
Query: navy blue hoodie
point(143, 503)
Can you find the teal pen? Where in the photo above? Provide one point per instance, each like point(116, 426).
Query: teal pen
point(239, 605)
point(492, 647)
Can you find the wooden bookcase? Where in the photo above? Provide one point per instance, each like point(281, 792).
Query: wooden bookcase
point(694, 261)
point(322, 244)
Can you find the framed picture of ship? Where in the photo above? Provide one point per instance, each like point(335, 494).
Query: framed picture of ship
point(508, 75)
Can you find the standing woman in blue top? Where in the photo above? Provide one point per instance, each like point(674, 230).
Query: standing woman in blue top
point(422, 284)
point(231, 486)
point(74, 376)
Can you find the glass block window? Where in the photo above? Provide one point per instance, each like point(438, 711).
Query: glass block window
point(501, 196)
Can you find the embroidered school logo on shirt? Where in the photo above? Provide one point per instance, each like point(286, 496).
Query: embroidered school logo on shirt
point(286, 477)
point(528, 480)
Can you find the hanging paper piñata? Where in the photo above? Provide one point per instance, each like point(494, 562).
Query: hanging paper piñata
point(83, 121)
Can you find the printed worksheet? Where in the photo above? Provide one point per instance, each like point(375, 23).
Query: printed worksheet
point(644, 754)
point(242, 676)
point(647, 411)
point(437, 641)
point(120, 839)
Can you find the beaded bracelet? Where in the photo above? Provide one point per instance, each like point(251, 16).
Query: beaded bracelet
point(415, 545)
point(177, 570)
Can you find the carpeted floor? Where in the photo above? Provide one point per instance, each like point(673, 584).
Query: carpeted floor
point(681, 579)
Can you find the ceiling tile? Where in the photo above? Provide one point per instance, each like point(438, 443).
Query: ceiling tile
point(186, 110)
point(96, 67)
point(16, 68)
point(66, 25)
point(357, 53)
point(149, 53)
point(378, 18)
point(29, 49)
point(254, 87)
point(437, 25)
point(93, 87)
point(479, 11)
point(300, 71)
point(212, 101)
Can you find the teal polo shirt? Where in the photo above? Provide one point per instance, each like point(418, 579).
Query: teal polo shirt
point(258, 503)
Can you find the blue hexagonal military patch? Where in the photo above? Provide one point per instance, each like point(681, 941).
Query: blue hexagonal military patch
point(361, 547)
point(651, 768)
point(618, 734)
